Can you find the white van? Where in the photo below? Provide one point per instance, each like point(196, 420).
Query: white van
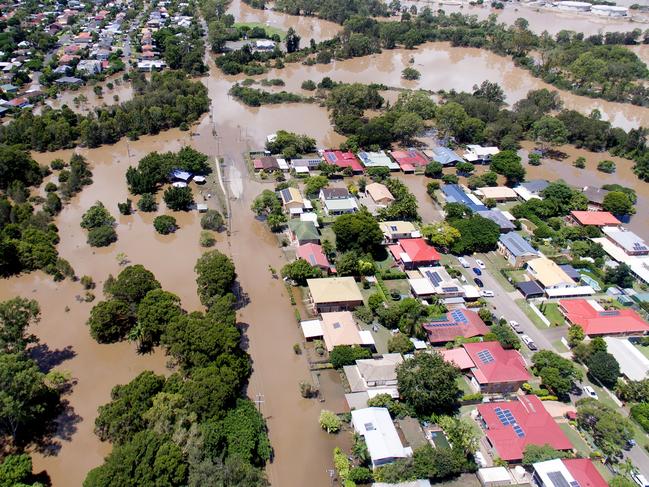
point(463, 262)
point(529, 342)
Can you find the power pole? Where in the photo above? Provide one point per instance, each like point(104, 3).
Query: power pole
point(259, 400)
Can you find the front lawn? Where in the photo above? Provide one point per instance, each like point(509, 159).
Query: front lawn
point(552, 313)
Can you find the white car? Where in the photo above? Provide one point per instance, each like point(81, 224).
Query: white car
point(516, 326)
point(590, 392)
point(529, 342)
point(639, 479)
point(481, 264)
point(479, 459)
point(486, 293)
point(463, 262)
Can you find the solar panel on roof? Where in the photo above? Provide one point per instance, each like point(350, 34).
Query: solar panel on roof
point(574, 483)
point(449, 289)
point(485, 357)
point(519, 431)
point(434, 277)
point(609, 313)
point(312, 259)
point(557, 479)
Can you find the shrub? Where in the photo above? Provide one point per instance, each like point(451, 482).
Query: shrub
point(475, 397)
point(207, 239)
point(606, 166)
point(212, 220)
point(400, 343)
point(410, 74)
point(87, 282)
point(165, 224)
point(102, 236)
point(308, 85)
point(50, 187)
point(360, 475)
point(329, 421)
point(125, 208)
point(57, 164)
point(580, 163)
point(147, 203)
point(178, 199)
point(343, 355)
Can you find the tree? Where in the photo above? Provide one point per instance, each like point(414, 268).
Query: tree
point(16, 316)
point(576, 335)
point(15, 470)
point(609, 429)
point(407, 126)
point(428, 383)
point(314, 184)
point(165, 224)
point(640, 412)
point(178, 199)
point(618, 203)
point(212, 220)
point(266, 203)
point(620, 276)
point(505, 336)
point(299, 271)
point(433, 170)
point(123, 417)
point(410, 74)
point(292, 41)
point(154, 313)
point(97, 216)
point(358, 231)
point(211, 390)
point(508, 164)
point(149, 459)
point(603, 367)
point(132, 284)
point(102, 236)
point(478, 234)
point(461, 432)
point(342, 355)
point(549, 131)
point(400, 343)
point(557, 373)
point(26, 402)
point(147, 203)
point(329, 421)
point(540, 453)
point(450, 117)
point(633, 390)
point(216, 276)
point(110, 321)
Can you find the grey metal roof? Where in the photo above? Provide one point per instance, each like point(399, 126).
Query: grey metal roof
point(517, 245)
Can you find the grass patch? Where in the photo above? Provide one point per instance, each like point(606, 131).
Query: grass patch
point(327, 233)
point(386, 263)
point(381, 337)
point(495, 262)
point(400, 285)
point(269, 30)
point(643, 349)
point(552, 313)
point(560, 347)
point(464, 386)
point(575, 438)
point(525, 307)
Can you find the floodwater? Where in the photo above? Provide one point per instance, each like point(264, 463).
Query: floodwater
point(302, 451)
point(121, 89)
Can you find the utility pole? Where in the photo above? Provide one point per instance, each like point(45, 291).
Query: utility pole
point(259, 400)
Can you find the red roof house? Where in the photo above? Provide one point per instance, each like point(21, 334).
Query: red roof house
point(512, 425)
point(343, 160)
point(457, 357)
point(265, 163)
point(496, 370)
point(409, 159)
point(459, 322)
point(596, 321)
point(584, 472)
point(412, 253)
point(594, 218)
point(314, 255)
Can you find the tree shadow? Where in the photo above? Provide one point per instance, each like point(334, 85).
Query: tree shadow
point(243, 299)
point(47, 359)
point(245, 341)
point(62, 428)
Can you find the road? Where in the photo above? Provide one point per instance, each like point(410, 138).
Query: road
point(639, 458)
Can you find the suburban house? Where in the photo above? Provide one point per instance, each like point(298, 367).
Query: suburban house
point(396, 230)
point(531, 189)
point(571, 472)
point(512, 425)
point(453, 193)
point(340, 328)
point(334, 294)
point(303, 232)
point(597, 321)
point(412, 253)
point(314, 255)
point(516, 249)
point(435, 281)
point(377, 159)
point(478, 153)
point(497, 193)
point(457, 323)
point(617, 247)
point(291, 199)
point(266, 163)
point(409, 159)
point(626, 240)
point(305, 162)
point(496, 370)
point(593, 218)
point(383, 443)
point(499, 218)
point(443, 155)
point(342, 160)
point(595, 197)
point(554, 280)
point(458, 357)
point(633, 364)
point(375, 375)
point(337, 201)
point(379, 193)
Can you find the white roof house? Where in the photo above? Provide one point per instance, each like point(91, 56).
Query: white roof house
point(381, 437)
point(628, 241)
point(478, 153)
point(375, 376)
point(639, 264)
point(553, 473)
point(633, 364)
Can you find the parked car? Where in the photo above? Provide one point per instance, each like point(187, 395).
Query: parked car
point(481, 264)
point(516, 326)
point(529, 342)
point(463, 262)
point(487, 293)
point(640, 479)
point(479, 459)
point(477, 271)
point(478, 282)
point(630, 444)
point(590, 392)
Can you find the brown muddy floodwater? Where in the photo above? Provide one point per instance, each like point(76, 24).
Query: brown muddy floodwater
point(123, 91)
point(303, 453)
